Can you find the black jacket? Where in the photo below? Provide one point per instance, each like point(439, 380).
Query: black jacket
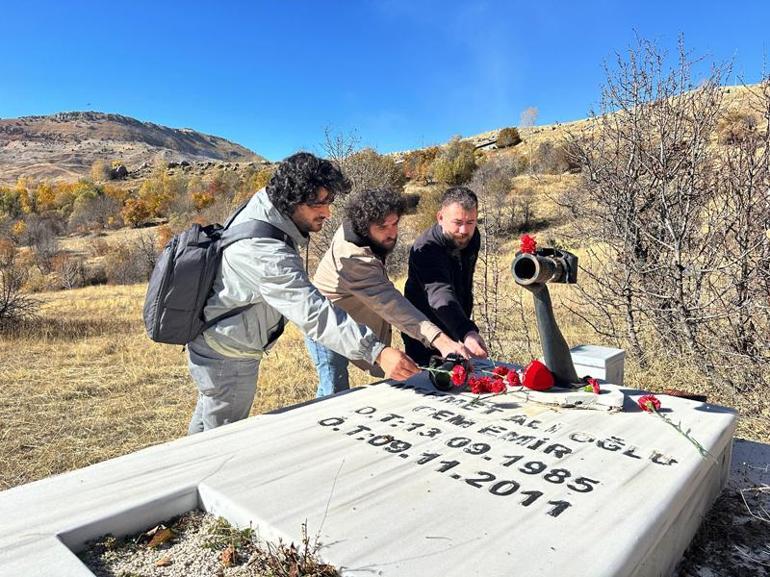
point(440, 284)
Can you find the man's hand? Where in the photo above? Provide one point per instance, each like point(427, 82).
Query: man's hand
point(397, 365)
point(476, 345)
point(447, 346)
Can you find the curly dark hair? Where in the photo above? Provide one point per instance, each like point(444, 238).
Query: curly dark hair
point(373, 206)
point(298, 178)
point(462, 195)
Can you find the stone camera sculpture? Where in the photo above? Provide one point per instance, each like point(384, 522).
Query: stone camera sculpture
point(533, 269)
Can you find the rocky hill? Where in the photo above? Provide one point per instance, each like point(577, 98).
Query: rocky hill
point(63, 146)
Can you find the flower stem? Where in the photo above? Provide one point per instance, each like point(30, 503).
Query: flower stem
point(677, 426)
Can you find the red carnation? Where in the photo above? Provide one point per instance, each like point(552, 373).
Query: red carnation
point(649, 403)
point(512, 378)
point(500, 371)
point(528, 244)
point(537, 377)
point(496, 386)
point(476, 385)
point(482, 385)
point(594, 385)
point(459, 375)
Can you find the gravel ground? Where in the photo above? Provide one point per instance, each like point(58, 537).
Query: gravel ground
point(200, 545)
point(186, 554)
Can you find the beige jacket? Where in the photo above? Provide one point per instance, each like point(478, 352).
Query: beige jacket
point(353, 277)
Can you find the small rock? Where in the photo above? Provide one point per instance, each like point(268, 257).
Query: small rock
point(161, 537)
point(164, 562)
point(229, 556)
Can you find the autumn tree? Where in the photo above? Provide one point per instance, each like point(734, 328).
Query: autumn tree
point(455, 163)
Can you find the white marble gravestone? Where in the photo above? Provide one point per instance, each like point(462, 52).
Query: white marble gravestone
point(401, 480)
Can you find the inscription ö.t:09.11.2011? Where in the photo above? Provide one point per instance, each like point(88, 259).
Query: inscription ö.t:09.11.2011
point(478, 479)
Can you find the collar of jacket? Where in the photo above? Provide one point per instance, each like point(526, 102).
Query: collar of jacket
point(438, 235)
point(261, 208)
point(352, 236)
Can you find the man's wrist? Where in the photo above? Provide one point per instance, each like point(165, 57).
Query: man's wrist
point(376, 352)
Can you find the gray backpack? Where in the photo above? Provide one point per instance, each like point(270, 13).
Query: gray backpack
point(181, 281)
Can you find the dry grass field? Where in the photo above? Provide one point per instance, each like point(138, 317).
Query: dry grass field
point(83, 384)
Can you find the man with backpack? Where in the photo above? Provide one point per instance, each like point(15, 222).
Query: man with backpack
point(264, 279)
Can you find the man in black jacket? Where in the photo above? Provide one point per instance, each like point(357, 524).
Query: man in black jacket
point(440, 279)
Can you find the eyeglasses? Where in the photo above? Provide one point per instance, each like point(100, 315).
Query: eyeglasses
point(325, 202)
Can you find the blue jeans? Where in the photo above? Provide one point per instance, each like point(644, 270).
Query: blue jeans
point(226, 386)
point(332, 369)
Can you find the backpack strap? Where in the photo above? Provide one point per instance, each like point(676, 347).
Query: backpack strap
point(238, 210)
point(249, 229)
point(252, 229)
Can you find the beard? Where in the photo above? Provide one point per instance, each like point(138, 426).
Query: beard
point(458, 241)
point(311, 225)
point(384, 248)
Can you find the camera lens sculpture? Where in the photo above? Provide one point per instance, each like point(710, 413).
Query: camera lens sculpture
point(534, 271)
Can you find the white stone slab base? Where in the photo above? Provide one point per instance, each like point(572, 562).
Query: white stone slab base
point(406, 481)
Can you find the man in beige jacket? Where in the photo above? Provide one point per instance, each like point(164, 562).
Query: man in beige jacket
point(353, 277)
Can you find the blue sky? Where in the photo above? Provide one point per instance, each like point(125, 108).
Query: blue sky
point(272, 75)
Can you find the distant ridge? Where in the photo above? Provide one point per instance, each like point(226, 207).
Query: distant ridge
point(65, 145)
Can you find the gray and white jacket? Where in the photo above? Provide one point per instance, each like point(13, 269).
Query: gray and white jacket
point(270, 275)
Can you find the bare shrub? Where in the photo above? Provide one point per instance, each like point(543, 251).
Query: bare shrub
point(741, 290)
point(525, 202)
point(553, 158)
point(368, 169)
point(428, 206)
point(365, 168)
point(674, 229)
point(42, 235)
point(736, 126)
point(70, 270)
point(95, 212)
point(147, 247)
point(99, 247)
point(493, 183)
point(15, 306)
point(129, 263)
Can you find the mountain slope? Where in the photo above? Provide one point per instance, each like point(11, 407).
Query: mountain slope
point(65, 145)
